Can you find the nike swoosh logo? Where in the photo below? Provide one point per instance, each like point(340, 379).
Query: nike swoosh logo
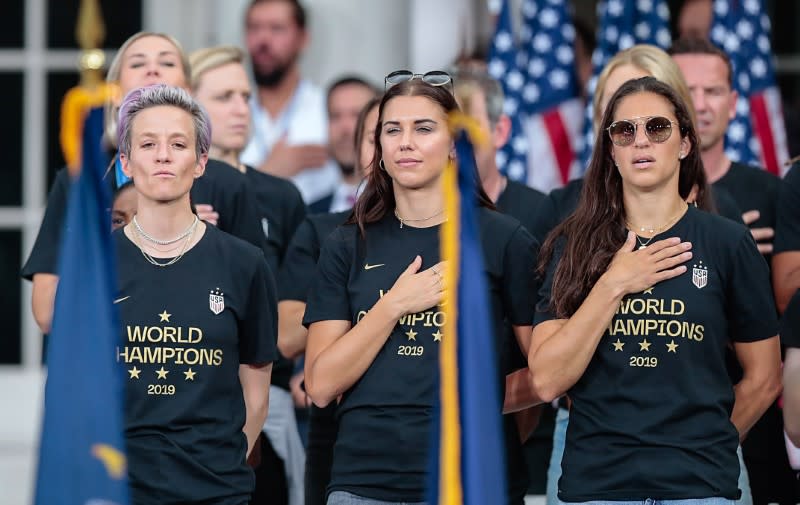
point(121, 299)
point(370, 267)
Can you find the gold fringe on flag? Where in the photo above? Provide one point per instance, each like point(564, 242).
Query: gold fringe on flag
point(451, 491)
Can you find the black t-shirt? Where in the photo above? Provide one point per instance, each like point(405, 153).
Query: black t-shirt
point(297, 271)
point(226, 189)
point(555, 208)
point(381, 451)
point(294, 280)
point(44, 255)
point(752, 188)
point(222, 186)
point(650, 416)
point(787, 232)
point(562, 202)
point(186, 328)
point(522, 203)
point(281, 210)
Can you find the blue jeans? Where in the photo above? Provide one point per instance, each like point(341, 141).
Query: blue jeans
point(554, 471)
point(345, 498)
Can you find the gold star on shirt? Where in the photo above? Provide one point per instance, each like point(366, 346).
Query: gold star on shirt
point(648, 291)
point(411, 334)
point(618, 345)
point(162, 374)
point(644, 345)
point(189, 374)
point(672, 346)
point(164, 316)
point(134, 373)
point(437, 337)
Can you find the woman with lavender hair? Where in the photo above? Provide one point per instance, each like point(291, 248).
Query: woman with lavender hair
point(199, 317)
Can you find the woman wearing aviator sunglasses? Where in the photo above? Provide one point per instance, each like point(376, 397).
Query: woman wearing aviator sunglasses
point(641, 296)
point(374, 325)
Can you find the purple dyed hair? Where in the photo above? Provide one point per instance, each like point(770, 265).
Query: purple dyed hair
point(155, 96)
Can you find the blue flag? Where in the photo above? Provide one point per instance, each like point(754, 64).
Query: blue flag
point(81, 456)
point(468, 459)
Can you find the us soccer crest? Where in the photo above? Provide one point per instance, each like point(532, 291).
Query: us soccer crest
point(216, 301)
point(700, 275)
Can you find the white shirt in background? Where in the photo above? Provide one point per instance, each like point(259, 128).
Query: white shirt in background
point(304, 120)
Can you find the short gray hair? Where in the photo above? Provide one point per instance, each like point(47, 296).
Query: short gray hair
point(467, 80)
point(159, 95)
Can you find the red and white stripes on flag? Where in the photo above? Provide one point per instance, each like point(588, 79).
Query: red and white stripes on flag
point(552, 142)
point(766, 115)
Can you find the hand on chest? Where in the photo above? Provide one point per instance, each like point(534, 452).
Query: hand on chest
point(416, 335)
point(669, 320)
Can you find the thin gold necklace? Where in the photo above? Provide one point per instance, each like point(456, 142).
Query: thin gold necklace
point(654, 231)
point(404, 221)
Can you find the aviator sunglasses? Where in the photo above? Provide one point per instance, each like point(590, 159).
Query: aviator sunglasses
point(657, 128)
point(434, 78)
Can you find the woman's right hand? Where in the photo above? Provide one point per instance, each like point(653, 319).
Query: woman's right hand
point(633, 271)
point(415, 290)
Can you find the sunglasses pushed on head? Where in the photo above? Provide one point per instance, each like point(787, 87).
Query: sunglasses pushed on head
point(434, 78)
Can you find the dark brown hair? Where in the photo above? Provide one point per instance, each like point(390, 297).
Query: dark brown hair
point(596, 230)
point(298, 12)
point(348, 80)
point(378, 196)
point(694, 45)
point(361, 126)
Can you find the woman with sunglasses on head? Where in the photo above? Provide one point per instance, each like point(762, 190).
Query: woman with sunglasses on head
point(294, 280)
point(198, 313)
point(373, 321)
point(642, 294)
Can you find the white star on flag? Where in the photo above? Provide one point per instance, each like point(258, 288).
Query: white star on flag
point(542, 43)
point(504, 41)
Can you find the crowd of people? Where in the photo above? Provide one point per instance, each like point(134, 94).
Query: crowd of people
point(280, 280)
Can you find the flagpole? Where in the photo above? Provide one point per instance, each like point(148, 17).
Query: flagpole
point(92, 90)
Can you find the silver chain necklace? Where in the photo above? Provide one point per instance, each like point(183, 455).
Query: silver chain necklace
point(156, 241)
point(153, 261)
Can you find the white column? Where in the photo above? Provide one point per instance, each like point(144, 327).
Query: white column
point(192, 22)
point(438, 32)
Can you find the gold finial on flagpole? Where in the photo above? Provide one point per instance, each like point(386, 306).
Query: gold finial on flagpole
point(92, 91)
point(90, 32)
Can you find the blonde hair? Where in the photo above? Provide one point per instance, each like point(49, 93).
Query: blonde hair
point(209, 58)
point(653, 61)
point(115, 69)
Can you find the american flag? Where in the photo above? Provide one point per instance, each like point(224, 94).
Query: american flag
point(504, 59)
point(538, 76)
point(742, 29)
point(623, 24)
